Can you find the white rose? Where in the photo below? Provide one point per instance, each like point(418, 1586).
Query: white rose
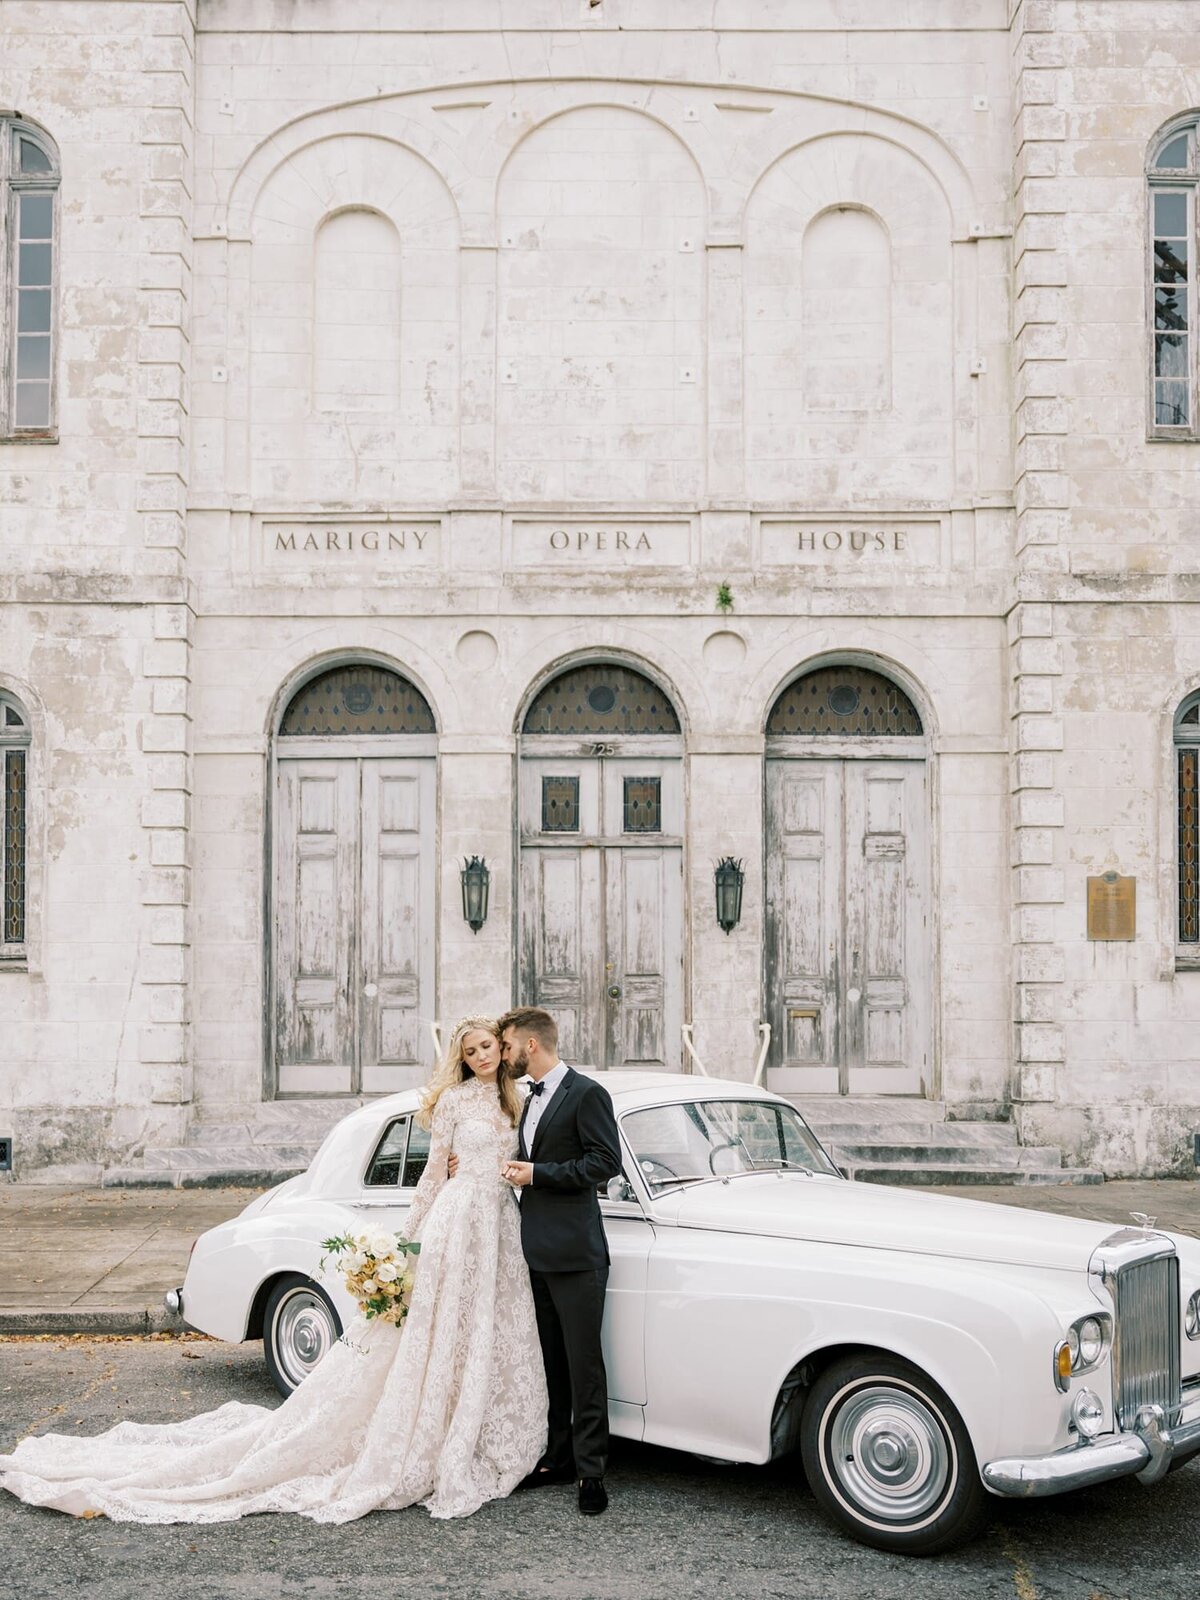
point(387, 1273)
point(382, 1246)
point(370, 1287)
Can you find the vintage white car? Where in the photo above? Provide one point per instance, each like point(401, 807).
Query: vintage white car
point(923, 1353)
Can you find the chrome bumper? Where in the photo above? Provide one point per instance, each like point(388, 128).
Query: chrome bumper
point(1147, 1452)
point(173, 1300)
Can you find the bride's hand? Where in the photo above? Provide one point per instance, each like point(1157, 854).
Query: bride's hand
point(452, 1165)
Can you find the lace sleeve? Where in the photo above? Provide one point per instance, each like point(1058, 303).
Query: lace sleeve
point(441, 1139)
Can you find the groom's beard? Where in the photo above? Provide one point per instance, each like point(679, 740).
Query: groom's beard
point(519, 1063)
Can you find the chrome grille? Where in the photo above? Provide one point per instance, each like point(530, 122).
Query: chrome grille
point(1146, 1347)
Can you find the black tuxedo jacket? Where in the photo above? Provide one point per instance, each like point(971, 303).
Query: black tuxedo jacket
point(576, 1148)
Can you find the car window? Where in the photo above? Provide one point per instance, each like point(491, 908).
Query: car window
point(698, 1139)
point(418, 1155)
point(387, 1163)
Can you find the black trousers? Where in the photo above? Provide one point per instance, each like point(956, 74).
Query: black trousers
point(570, 1309)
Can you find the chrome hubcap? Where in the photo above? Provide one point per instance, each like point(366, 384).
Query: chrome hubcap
point(304, 1332)
point(890, 1454)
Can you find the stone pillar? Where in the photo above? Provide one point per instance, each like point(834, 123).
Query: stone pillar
point(477, 344)
point(167, 46)
point(1041, 490)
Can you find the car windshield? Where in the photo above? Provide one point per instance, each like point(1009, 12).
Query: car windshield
point(695, 1140)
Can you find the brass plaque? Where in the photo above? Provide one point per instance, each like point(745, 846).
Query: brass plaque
point(1111, 906)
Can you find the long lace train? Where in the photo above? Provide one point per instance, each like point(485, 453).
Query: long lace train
point(449, 1411)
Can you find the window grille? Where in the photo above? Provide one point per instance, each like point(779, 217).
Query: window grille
point(1172, 177)
point(14, 758)
point(29, 172)
point(841, 701)
point(1187, 802)
point(601, 699)
point(357, 700)
point(560, 805)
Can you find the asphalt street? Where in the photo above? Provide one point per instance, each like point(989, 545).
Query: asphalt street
point(677, 1527)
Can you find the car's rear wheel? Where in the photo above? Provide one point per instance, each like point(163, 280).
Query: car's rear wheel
point(889, 1458)
point(299, 1327)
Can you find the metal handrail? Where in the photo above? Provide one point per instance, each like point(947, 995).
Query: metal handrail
point(686, 1030)
point(764, 1033)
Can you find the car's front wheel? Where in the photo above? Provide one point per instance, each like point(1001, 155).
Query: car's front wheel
point(889, 1458)
point(299, 1327)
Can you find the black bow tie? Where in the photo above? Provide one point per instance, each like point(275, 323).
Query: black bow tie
point(537, 1088)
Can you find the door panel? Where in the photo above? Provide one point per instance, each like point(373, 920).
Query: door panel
point(848, 964)
point(803, 915)
point(353, 923)
point(316, 862)
point(395, 987)
point(560, 899)
point(602, 905)
point(886, 926)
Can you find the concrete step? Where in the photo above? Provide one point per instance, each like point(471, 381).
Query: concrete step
point(971, 1135)
point(1002, 1158)
point(912, 1174)
point(879, 1110)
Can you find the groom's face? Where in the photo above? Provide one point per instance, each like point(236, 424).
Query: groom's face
point(513, 1053)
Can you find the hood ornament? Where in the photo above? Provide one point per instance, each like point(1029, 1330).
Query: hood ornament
point(1146, 1223)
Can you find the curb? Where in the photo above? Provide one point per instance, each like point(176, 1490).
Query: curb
point(97, 1319)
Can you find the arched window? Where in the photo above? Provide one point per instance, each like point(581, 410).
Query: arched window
point(1187, 788)
point(30, 174)
point(601, 699)
point(842, 700)
point(356, 700)
point(14, 767)
point(1172, 175)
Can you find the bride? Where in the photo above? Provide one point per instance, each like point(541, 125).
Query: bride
point(449, 1410)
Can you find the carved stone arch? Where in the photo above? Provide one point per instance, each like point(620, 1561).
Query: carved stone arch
point(353, 120)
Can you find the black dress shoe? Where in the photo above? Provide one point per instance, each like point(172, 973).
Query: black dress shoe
point(546, 1473)
point(593, 1497)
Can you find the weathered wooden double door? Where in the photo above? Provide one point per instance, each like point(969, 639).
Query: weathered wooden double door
point(848, 942)
point(601, 903)
point(354, 923)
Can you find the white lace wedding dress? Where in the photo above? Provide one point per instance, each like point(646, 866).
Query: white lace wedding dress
point(450, 1410)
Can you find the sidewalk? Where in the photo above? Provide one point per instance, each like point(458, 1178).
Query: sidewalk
point(100, 1260)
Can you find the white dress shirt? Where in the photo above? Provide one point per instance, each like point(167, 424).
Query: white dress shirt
point(539, 1102)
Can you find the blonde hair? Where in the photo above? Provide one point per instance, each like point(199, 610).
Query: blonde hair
point(451, 1070)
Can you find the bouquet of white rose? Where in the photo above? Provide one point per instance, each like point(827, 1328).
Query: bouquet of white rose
point(376, 1272)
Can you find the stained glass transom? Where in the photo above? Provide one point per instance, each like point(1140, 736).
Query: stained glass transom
point(357, 700)
point(844, 700)
point(601, 699)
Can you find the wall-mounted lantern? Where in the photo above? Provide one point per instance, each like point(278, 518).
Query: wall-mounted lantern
point(476, 880)
point(729, 878)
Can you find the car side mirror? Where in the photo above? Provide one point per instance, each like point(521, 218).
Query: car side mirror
point(619, 1188)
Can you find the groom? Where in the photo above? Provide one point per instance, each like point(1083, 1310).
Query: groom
point(569, 1146)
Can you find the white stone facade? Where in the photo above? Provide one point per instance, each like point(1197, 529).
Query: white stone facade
point(839, 304)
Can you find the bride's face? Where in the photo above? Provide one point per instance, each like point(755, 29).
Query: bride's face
point(481, 1053)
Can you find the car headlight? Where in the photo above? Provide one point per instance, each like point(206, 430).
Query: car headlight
point(1191, 1317)
point(1087, 1343)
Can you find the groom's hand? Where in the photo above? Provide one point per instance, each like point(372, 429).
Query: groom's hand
point(519, 1174)
point(452, 1165)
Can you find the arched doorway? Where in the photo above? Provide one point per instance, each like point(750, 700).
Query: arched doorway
point(352, 925)
point(601, 870)
point(848, 963)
